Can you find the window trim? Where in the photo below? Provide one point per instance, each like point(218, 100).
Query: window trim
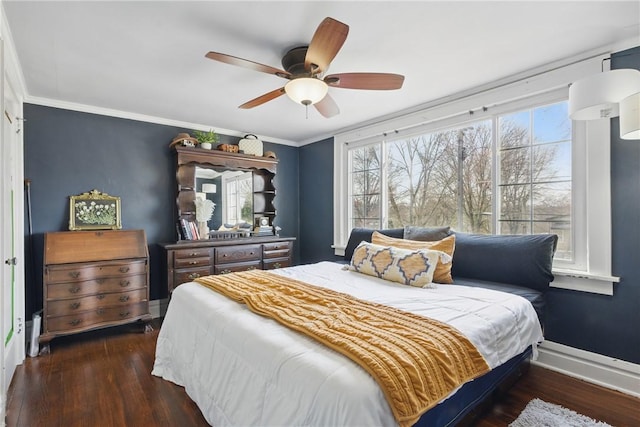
point(591, 193)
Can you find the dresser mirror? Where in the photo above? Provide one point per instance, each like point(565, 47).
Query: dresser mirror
point(232, 192)
point(241, 186)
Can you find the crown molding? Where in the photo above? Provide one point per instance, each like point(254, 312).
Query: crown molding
point(84, 108)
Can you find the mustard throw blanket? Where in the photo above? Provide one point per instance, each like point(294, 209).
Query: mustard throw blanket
point(417, 361)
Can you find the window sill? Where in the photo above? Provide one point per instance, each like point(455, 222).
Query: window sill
point(582, 281)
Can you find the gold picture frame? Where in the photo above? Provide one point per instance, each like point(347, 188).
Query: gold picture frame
point(94, 211)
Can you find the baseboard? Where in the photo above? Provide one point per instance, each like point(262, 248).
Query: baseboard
point(595, 368)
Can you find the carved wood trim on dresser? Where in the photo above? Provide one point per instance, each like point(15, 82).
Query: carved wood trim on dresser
point(94, 279)
point(188, 260)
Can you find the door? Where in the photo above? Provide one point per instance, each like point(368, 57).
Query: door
point(11, 236)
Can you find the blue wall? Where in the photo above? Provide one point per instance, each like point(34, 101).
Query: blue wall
point(316, 201)
point(69, 152)
point(609, 324)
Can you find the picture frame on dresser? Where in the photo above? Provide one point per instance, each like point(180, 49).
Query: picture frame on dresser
point(94, 210)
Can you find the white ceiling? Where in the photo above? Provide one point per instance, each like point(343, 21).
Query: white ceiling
point(147, 57)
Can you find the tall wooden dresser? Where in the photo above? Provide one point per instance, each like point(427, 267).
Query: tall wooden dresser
point(94, 279)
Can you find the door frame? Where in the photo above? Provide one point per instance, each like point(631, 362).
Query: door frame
point(12, 180)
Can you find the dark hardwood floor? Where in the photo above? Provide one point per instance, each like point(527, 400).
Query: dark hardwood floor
point(103, 378)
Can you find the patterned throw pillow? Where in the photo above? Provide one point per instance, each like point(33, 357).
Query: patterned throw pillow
point(413, 268)
point(446, 245)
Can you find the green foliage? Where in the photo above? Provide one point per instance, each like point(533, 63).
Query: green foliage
point(209, 136)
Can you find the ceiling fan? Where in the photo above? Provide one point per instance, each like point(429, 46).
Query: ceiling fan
point(304, 67)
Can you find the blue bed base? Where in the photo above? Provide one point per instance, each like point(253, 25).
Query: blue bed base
point(455, 408)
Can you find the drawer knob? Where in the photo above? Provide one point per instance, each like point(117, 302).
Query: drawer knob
point(75, 322)
point(74, 274)
point(124, 269)
point(101, 296)
point(125, 314)
point(100, 311)
point(100, 281)
point(74, 290)
point(193, 254)
point(74, 306)
point(251, 268)
point(193, 276)
point(193, 262)
point(124, 298)
point(124, 283)
point(277, 265)
point(225, 271)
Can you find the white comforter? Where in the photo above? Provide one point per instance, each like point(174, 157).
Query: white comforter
point(242, 369)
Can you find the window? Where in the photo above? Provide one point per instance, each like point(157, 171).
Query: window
point(519, 166)
point(534, 148)
point(445, 177)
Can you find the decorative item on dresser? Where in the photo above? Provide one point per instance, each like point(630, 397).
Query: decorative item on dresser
point(94, 279)
point(186, 261)
point(94, 211)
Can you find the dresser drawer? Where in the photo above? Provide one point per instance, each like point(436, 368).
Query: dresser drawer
point(96, 317)
point(191, 262)
point(74, 305)
point(276, 263)
point(232, 268)
point(90, 287)
point(184, 276)
point(185, 254)
point(280, 253)
point(277, 246)
point(79, 272)
point(242, 253)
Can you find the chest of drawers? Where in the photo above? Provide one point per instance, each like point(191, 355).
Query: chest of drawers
point(94, 279)
point(188, 260)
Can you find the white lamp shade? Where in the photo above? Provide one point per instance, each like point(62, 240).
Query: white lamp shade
point(306, 90)
point(630, 117)
point(597, 96)
point(209, 188)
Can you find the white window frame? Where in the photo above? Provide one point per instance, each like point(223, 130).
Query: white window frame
point(591, 165)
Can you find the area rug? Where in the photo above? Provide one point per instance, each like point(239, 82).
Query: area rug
point(539, 413)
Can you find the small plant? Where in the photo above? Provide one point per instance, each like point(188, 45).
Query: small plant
point(210, 136)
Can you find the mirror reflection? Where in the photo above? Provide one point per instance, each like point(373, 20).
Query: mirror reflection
point(232, 193)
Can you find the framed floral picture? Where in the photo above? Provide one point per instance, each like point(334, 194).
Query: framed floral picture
point(94, 211)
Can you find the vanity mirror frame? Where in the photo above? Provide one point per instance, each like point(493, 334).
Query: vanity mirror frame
point(263, 171)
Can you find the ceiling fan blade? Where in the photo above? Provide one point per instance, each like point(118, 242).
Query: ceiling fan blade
point(263, 98)
point(233, 60)
point(370, 81)
point(327, 107)
point(325, 44)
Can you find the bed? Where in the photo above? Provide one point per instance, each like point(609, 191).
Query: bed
point(244, 369)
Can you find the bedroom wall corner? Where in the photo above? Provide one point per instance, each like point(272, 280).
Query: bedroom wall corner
point(316, 202)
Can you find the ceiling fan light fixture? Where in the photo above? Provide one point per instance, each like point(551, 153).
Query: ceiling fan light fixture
point(306, 90)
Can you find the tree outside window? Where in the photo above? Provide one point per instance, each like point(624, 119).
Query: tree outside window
point(446, 177)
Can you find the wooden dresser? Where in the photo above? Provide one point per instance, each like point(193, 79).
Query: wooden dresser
point(188, 260)
point(94, 279)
